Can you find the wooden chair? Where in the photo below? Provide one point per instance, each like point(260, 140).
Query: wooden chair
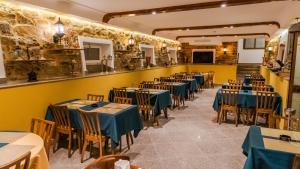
point(91, 131)
point(63, 126)
point(44, 129)
point(206, 80)
point(235, 82)
point(94, 97)
point(296, 162)
point(156, 86)
point(106, 162)
point(120, 92)
point(258, 83)
point(265, 105)
point(21, 162)
point(211, 75)
point(229, 104)
point(156, 79)
point(144, 105)
point(263, 88)
point(122, 100)
point(234, 86)
point(148, 84)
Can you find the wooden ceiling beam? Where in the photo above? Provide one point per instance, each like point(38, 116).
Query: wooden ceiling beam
point(180, 8)
point(223, 35)
point(271, 23)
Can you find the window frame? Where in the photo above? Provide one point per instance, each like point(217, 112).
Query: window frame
point(255, 39)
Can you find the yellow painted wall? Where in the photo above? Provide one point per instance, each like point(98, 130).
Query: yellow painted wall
point(20, 104)
point(280, 84)
point(222, 72)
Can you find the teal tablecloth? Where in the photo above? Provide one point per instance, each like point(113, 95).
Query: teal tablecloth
point(112, 125)
point(246, 99)
point(180, 90)
point(258, 157)
point(3, 144)
point(159, 100)
point(192, 84)
point(245, 86)
point(248, 79)
point(199, 79)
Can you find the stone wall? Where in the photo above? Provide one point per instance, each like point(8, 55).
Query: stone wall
point(23, 28)
point(221, 58)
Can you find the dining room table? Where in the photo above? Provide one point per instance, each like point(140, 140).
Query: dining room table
point(159, 99)
point(246, 99)
point(265, 148)
point(246, 86)
point(115, 119)
point(14, 144)
point(199, 78)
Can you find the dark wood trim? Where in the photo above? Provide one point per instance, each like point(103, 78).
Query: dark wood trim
point(242, 34)
point(292, 72)
point(235, 25)
point(180, 8)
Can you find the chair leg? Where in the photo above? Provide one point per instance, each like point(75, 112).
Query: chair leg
point(120, 149)
point(131, 137)
point(69, 144)
point(256, 117)
point(83, 150)
point(79, 140)
point(127, 140)
point(221, 116)
point(100, 148)
point(55, 142)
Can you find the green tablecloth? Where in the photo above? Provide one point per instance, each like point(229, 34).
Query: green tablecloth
point(192, 84)
point(245, 86)
point(159, 101)
point(258, 157)
point(3, 144)
point(112, 125)
point(246, 99)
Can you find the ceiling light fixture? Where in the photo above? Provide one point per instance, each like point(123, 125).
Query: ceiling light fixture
point(153, 12)
point(223, 5)
point(131, 14)
point(231, 27)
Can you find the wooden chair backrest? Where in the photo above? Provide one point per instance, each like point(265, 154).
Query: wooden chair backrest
point(61, 116)
point(211, 75)
point(91, 123)
point(296, 162)
point(235, 81)
point(122, 100)
point(265, 100)
point(156, 86)
point(234, 86)
point(43, 128)
point(264, 88)
point(106, 162)
point(94, 97)
point(143, 98)
point(148, 84)
point(163, 79)
point(156, 79)
point(120, 92)
point(229, 97)
point(19, 163)
point(258, 82)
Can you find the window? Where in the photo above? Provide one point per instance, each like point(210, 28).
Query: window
point(254, 43)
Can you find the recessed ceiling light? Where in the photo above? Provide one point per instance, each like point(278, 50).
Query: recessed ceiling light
point(163, 11)
point(131, 14)
point(235, 36)
point(153, 12)
point(225, 27)
point(187, 29)
point(231, 27)
point(223, 5)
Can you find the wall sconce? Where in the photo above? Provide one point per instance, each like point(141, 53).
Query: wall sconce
point(225, 50)
point(179, 48)
point(270, 48)
point(59, 31)
point(131, 41)
point(163, 45)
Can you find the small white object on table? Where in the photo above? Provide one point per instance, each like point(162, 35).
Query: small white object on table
point(122, 164)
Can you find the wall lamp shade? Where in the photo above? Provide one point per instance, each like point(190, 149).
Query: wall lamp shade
point(225, 50)
point(59, 28)
point(131, 41)
point(164, 45)
point(270, 48)
point(179, 48)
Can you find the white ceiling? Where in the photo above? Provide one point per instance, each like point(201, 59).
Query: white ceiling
point(282, 12)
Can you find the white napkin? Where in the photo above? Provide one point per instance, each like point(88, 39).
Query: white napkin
point(122, 164)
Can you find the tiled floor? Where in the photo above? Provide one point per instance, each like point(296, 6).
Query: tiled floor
point(190, 139)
